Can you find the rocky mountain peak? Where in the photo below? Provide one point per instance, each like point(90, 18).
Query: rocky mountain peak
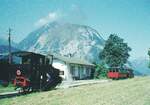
point(65, 39)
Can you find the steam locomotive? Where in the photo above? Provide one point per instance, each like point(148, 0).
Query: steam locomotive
point(32, 72)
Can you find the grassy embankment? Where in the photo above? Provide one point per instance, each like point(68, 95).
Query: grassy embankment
point(10, 88)
point(122, 92)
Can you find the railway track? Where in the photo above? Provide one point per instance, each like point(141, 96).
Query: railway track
point(9, 94)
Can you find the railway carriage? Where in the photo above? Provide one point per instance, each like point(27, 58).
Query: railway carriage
point(118, 73)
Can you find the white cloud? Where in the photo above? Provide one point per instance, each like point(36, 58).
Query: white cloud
point(73, 14)
point(52, 16)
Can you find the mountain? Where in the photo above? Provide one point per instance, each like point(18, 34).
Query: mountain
point(5, 49)
point(140, 65)
point(65, 39)
point(4, 46)
point(4, 41)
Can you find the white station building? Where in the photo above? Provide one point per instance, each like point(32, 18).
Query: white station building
point(73, 69)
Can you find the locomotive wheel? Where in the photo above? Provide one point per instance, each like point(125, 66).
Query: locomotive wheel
point(25, 90)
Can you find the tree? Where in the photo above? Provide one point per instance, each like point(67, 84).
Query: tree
point(115, 52)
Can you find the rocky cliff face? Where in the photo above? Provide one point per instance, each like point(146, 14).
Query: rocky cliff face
point(65, 39)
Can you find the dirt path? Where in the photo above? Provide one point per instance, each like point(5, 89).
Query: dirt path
point(69, 84)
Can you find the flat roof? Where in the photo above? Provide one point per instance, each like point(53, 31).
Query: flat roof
point(25, 53)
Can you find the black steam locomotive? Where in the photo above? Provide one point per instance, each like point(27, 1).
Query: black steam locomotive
point(31, 72)
point(4, 71)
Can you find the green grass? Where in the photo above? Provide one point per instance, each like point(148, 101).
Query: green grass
point(122, 92)
point(10, 88)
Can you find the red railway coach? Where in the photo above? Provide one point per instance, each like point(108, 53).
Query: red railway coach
point(118, 73)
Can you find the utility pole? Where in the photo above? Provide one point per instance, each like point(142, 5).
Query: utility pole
point(9, 40)
point(149, 57)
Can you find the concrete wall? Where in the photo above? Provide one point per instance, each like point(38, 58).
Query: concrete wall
point(62, 66)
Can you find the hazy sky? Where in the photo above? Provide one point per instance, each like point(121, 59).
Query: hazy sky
point(130, 19)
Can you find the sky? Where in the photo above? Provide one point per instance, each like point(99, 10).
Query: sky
point(129, 19)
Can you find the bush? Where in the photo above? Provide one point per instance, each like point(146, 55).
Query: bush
point(100, 71)
point(4, 83)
